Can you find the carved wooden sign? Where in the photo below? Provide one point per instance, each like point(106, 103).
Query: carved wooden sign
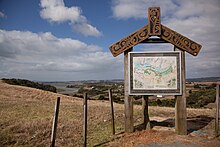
point(180, 41)
point(155, 28)
point(129, 41)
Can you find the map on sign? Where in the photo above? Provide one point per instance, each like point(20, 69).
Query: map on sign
point(154, 73)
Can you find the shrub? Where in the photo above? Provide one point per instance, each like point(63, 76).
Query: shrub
point(196, 86)
point(201, 98)
point(101, 97)
point(116, 99)
point(78, 95)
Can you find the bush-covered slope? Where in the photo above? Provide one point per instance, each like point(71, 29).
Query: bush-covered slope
point(28, 83)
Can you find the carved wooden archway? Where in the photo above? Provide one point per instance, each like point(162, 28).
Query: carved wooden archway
point(166, 35)
point(155, 28)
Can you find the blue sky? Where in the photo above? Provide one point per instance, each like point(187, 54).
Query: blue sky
point(61, 40)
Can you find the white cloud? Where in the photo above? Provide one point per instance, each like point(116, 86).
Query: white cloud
point(61, 14)
point(2, 15)
point(197, 19)
point(55, 11)
point(44, 56)
point(124, 9)
point(86, 29)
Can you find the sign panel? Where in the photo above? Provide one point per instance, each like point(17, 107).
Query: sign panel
point(155, 73)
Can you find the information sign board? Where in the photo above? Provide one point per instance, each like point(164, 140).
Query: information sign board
point(155, 73)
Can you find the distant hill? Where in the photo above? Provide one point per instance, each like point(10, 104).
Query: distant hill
point(205, 79)
point(27, 83)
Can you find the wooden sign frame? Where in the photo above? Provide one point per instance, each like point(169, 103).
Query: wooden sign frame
point(165, 35)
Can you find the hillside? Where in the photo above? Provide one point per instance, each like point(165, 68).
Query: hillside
point(204, 79)
point(27, 113)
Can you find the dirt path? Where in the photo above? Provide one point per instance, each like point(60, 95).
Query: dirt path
point(164, 138)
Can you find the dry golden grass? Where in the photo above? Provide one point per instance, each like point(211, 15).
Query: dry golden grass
point(27, 113)
point(26, 119)
point(26, 116)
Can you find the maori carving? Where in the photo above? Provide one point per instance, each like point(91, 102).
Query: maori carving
point(154, 26)
point(180, 41)
point(129, 41)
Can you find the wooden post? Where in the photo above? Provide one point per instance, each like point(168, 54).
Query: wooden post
point(180, 106)
point(85, 120)
point(145, 112)
point(55, 119)
point(217, 111)
point(128, 100)
point(112, 111)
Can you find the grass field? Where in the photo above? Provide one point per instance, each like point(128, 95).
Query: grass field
point(26, 116)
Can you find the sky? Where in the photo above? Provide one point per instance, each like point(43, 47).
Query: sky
point(67, 40)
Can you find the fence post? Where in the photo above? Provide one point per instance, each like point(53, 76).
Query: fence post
point(112, 111)
point(85, 120)
point(217, 111)
point(55, 119)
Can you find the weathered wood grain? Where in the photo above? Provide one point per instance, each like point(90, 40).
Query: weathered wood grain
point(180, 41)
point(154, 25)
point(180, 106)
point(128, 100)
point(129, 41)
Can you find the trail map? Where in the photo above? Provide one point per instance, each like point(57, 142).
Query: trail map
point(155, 73)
